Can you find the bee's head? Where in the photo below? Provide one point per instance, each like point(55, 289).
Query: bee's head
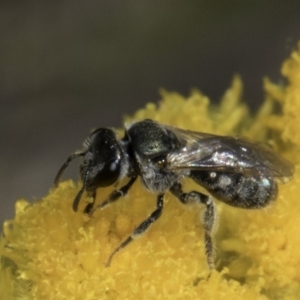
point(101, 163)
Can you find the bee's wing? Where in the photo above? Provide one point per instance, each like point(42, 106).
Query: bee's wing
point(201, 151)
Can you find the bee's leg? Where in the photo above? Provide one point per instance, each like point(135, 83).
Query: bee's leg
point(209, 217)
point(140, 230)
point(114, 196)
point(210, 222)
point(90, 205)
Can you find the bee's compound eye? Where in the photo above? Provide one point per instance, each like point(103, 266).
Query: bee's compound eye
point(109, 174)
point(103, 159)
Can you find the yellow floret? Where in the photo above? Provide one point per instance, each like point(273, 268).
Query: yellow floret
point(50, 252)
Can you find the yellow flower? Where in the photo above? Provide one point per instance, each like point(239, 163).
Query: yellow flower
point(50, 252)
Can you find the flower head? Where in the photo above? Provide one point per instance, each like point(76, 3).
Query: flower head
point(50, 252)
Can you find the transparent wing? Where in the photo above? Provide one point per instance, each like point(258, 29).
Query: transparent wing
point(201, 151)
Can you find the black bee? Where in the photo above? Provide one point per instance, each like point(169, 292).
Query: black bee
point(233, 170)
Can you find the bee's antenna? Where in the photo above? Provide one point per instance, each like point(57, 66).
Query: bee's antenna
point(78, 196)
point(65, 165)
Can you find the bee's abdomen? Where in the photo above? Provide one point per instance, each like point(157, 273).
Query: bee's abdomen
point(238, 190)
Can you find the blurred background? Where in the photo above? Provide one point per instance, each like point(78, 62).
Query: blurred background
point(69, 66)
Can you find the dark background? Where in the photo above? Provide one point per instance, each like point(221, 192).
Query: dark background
point(69, 66)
